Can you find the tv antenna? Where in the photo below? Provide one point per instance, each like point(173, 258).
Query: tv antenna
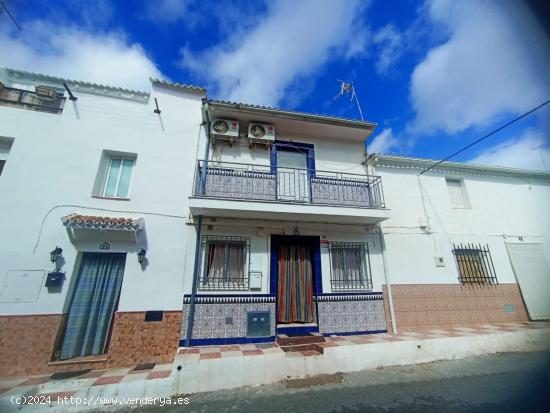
point(348, 88)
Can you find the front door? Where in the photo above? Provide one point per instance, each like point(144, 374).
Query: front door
point(292, 176)
point(295, 283)
point(93, 304)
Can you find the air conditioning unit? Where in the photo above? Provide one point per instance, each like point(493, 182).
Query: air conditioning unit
point(225, 127)
point(45, 92)
point(261, 133)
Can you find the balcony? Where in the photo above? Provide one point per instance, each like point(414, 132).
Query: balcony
point(26, 99)
point(260, 191)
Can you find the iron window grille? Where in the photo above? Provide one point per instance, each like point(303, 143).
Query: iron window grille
point(350, 266)
point(226, 260)
point(474, 263)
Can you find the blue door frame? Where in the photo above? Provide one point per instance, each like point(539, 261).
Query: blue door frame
point(314, 243)
point(306, 148)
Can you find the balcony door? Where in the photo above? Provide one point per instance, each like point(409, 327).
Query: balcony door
point(292, 175)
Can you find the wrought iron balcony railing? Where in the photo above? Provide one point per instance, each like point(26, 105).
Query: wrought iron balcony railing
point(26, 99)
point(289, 185)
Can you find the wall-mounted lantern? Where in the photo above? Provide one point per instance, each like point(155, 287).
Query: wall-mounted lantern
point(141, 255)
point(54, 255)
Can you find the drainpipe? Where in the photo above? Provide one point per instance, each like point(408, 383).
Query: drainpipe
point(196, 268)
point(388, 285)
point(371, 159)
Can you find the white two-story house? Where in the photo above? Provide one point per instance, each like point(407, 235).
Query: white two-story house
point(94, 184)
point(287, 219)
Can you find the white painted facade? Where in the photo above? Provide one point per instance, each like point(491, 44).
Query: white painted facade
point(54, 163)
point(503, 206)
point(53, 169)
point(259, 220)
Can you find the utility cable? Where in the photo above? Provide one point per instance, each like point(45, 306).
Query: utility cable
point(486, 136)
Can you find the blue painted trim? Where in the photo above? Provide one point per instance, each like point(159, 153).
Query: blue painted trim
point(315, 243)
point(297, 330)
point(228, 295)
point(228, 340)
point(350, 293)
point(296, 147)
point(355, 333)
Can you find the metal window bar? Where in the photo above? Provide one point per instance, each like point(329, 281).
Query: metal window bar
point(26, 99)
point(346, 275)
point(474, 264)
point(225, 282)
point(288, 185)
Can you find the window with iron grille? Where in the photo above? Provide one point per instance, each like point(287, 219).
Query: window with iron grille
point(474, 263)
point(225, 263)
point(350, 266)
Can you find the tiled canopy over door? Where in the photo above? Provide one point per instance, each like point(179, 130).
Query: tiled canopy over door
point(292, 176)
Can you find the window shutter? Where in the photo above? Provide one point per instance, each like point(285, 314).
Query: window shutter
point(456, 193)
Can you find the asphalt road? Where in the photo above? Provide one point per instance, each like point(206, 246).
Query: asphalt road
point(518, 382)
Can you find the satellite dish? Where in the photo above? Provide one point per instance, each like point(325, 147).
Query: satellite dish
point(257, 131)
point(220, 126)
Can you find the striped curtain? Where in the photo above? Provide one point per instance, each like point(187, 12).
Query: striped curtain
point(295, 289)
point(94, 300)
point(225, 261)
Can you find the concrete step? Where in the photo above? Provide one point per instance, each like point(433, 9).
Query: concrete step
point(284, 340)
point(304, 347)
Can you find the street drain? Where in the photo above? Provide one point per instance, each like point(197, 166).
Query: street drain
point(315, 381)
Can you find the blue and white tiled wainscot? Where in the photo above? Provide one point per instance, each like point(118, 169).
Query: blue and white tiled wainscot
point(222, 319)
point(351, 313)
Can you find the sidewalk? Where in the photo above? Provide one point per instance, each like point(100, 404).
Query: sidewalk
point(210, 368)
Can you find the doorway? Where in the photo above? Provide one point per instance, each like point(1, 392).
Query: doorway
point(93, 304)
point(295, 279)
point(292, 176)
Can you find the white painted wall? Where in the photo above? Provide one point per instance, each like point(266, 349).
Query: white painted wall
point(502, 209)
point(336, 155)
point(53, 163)
point(260, 235)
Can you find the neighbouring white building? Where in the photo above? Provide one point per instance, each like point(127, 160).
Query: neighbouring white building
point(465, 244)
point(175, 220)
point(101, 177)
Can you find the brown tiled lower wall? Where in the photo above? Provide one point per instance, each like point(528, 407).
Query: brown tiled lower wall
point(438, 306)
point(136, 341)
point(27, 343)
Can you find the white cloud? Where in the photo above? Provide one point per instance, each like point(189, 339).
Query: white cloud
point(384, 142)
point(74, 53)
point(293, 41)
point(167, 11)
point(527, 151)
point(495, 62)
point(389, 42)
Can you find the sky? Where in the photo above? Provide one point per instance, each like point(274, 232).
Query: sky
point(434, 75)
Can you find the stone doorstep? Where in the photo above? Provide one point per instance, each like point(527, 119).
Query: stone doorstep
point(304, 348)
point(285, 340)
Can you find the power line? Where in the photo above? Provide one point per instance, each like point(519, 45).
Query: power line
point(10, 15)
point(486, 136)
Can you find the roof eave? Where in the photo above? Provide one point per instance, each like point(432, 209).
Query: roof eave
point(421, 163)
point(180, 86)
point(308, 117)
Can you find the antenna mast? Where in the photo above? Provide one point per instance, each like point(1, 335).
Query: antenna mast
point(348, 88)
